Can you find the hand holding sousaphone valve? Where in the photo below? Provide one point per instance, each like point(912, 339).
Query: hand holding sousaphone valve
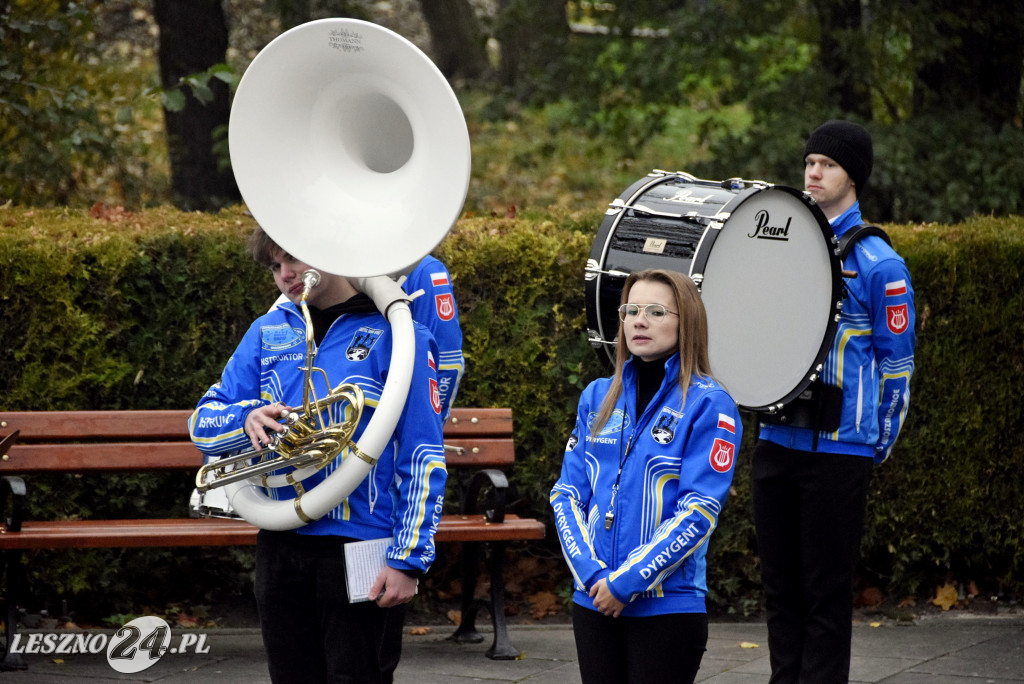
point(351, 151)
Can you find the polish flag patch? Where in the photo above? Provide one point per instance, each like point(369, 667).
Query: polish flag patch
point(430, 361)
point(898, 287)
point(439, 279)
point(726, 423)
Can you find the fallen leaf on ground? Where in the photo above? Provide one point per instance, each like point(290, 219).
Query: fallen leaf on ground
point(945, 597)
point(186, 620)
point(105, 212)
point(869, 598)
point(749, 644)
point(454, 617)
point(543, 603)
point(419, 631)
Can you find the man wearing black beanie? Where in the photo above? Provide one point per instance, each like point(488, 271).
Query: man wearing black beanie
point(834, 150)
point(809, 477)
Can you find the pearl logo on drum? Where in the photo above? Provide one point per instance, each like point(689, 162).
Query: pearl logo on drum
point(688, 196)
point(655, 245)
point(764, 230)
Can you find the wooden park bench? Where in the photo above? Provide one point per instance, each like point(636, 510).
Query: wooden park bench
point(34, 442)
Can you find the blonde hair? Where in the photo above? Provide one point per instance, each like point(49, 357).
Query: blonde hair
point(692, 342)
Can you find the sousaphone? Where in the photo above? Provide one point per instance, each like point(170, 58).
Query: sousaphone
point(351, 151)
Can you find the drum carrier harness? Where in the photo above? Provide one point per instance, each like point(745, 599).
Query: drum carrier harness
point(820, 406)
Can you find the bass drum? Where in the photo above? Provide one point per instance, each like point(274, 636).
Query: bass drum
point(764, 258)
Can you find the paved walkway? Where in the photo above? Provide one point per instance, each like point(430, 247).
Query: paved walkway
point(947, 649)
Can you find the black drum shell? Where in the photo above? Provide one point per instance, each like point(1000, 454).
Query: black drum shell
point(619, 246)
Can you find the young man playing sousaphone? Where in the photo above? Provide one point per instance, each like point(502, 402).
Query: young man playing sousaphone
point(312, 632)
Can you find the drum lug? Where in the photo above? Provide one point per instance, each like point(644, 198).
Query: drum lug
point(596, 341)
point(592, 270)
point(616, 206)
point(743, 183)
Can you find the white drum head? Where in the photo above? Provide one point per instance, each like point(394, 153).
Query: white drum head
point(770, 290)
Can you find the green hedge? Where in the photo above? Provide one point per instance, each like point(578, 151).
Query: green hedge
point(142, 312)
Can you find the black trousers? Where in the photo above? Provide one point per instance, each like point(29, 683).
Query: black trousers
point(311, 632)
point(639, 650)
point(809, 516)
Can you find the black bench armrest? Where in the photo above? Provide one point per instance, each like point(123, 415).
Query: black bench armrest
point(497, 485)
point(16, 487)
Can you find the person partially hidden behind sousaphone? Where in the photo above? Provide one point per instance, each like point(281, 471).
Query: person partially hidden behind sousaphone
point(435, 308)
point(311, 631)
point(813, 462)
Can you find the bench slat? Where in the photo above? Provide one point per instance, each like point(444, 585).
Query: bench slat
point(77, 458)
point(479, 422)
point(135, 456)
point(220, 532)
point(57, 426)
point(37, 426)
point(75, 534)
point(460, 528)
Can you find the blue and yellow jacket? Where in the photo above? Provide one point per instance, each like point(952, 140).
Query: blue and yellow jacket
point(403, 494)
point(677, 464)
point(872, 356)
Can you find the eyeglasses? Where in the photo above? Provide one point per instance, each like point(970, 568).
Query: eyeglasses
point(655, 313)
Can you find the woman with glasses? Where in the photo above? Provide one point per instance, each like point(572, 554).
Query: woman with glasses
point(644, 477)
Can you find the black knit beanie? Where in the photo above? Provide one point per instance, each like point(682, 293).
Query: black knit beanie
point(849, 144)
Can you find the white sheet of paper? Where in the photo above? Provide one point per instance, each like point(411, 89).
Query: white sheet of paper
point(363, 562)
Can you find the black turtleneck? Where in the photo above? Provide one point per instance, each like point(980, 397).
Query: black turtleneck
point(649, 376)
point(323, 318)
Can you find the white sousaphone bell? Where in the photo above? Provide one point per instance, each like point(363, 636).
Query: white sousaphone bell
point(350, 149)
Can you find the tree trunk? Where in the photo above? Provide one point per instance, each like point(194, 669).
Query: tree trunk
point(976, 59)
point(844, 55)
point(534, 36)
point(293, 13)
point(194, 37)
point(458, 42)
